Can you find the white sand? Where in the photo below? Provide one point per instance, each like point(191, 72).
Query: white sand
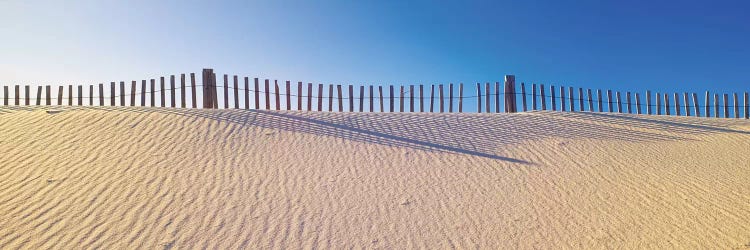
point(117, 178)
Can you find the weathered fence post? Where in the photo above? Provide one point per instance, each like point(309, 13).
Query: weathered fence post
point(380, 93)
point(162, 93)
point(267, 93)
point(411, 98)
point(247, 92)
point(209, 88)
point(697, 106)
point(18, 95)
point(747, 106)
point(708, 104)
point(432, 97)
point(726, 106)
point(648, 102)
point(236, 85)
point(80, 95)
point(401, 99)
point(341, 104)
point(276, 96)
point(658, 103)
point(543, 97)
point(497, 97)
point(610, 103)
point(5, 95)
point(562, 99)
point(112, 93)
point(39, 96)
point(600, 99)
point(736, 107)
point(686, 99)
point(638, 103)
point(591, 101)
point(488, 97)
point(320, 97)
point(628, 103)
point(257, 93)
point(479, 98)
point(299, 96)
point(59, 95)
point(309, 96)
point(666, 104)
point(523, 96)
point(460, 97)
point(28, 95)
point(580, 99)
point(288, 90)
point(553, 99)
point(392, 98)
point(716, 106)
point(133, 88)
point(122, 93)
point(677, 104)
point(48, 101)
point(143, 94)
point(206, 83)
point(421, 98)
point(101, 94)
point(372, 99)
point(440, 95)
point(91, 94)
point(450, 98)
point(362, 98)
point(510, 94)
point(192, 92)
point(571, 96)
point(182, 90)
point(533, 97)
point(172, 84)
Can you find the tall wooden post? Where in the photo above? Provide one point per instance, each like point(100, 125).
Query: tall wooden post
point(276, 94)
point(736, 106)
point(677, 104)
point(580, 98)
point(591, 102)
point(716, 106)
point(257, 93)
point(553, 99)
point(361, 98)
point(686, 100)
point(411, 98)
point(133, 87)
point(309, 96)
point(697, 106)
point(39, 96)
point(543, 96)
point(666, 104)
point(351, 98)
point(320, 97)
point(192, 90)
point(392, 98)
point(288, 90)
point(450, 98)
point(708, 104)
point(510, 94)
point(59, 95)
point(236, 92)
point(380, 95)
point(497, 97)
point(182, 91)
point(401, 99)
point(432, 97)
point(658, 103)
point(144, 90)
point(533, 97)
point(479, 98)
point(209, 89)
point(80, 95)
point(571, 96)
point(440, 95)
point(523, 97)
point(299, 96)
point(460, 97)
point(341, 104)
point(726, 106)
point(487, 98)
point(372, 99)
point(627, 103)
point(48, 100)
point(638, 103)
point(562, 99)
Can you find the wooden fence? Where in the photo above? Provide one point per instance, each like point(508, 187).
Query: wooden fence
point(450, 98)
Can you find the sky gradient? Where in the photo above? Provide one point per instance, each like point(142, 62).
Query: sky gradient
point(674, 46)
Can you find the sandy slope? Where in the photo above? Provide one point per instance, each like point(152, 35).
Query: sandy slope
point(161, 178)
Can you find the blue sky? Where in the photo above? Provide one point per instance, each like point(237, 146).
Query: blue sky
point(672, 46)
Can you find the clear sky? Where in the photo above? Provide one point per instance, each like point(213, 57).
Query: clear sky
point(623, 45)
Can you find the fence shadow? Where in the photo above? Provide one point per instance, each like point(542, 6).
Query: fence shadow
point(482, 135)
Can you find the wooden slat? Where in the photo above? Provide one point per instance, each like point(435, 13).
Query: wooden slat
point(610, 103)
point(132, 92)
point(39, 96)
point(17, 100)
point(288, 95)
point(362, 98)
point(341, 104)
point(60, 93)
point(392, 98)
point(372, 99)
point(163, 93)
point(421, 98)
point(487, 96)
point(460, 97)
point(309, 96)
point(48, 90)
point(432, 97)
point(411, 98)
point(523, 96)
point(351, 98)
point(267, 94)
point(5, 96)
point(182, 91)
point(256, 90)
point(591, 100)
point(330, 97)
point(401, 98)
point(276, 94)
point(726, 106)
point(708, 106)
point(510, 94)
point(70, 95)
point(666, 104)
point(226, 91)
point(580, 99)
point(192, 90)
point(450, 98)
point(152, 93)
point(658, 103)
point(214, 92)
point(122, 93)
point(236, 92)
point(747, 105)
point(299, 96)
point(80, 95)
point(479, 98)
point(736, 106)
point(600, 100)
point(677, 110)
point(380, 93)
point(696, 105)
point(101, 94)
point(649, 109)
point(562, 99)
point(172, 87)
point(571, 96)
point(638, 103)
point(144, 90)
point(716, 106)
point(28, 95)
point(440, 95)
point(320, 97)
point(686, 100)
point(553, 98)
point(247, 93)
point(627, 103)
point(533, 97)
point(497, 97)
point(543, 97)
point(91, 94)
point(619, 102)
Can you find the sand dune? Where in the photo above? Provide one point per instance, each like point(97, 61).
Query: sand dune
point(123, 178)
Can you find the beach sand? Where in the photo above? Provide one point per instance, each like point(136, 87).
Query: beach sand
point(160, 178)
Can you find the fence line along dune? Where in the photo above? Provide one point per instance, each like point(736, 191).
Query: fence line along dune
point(139, 177)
